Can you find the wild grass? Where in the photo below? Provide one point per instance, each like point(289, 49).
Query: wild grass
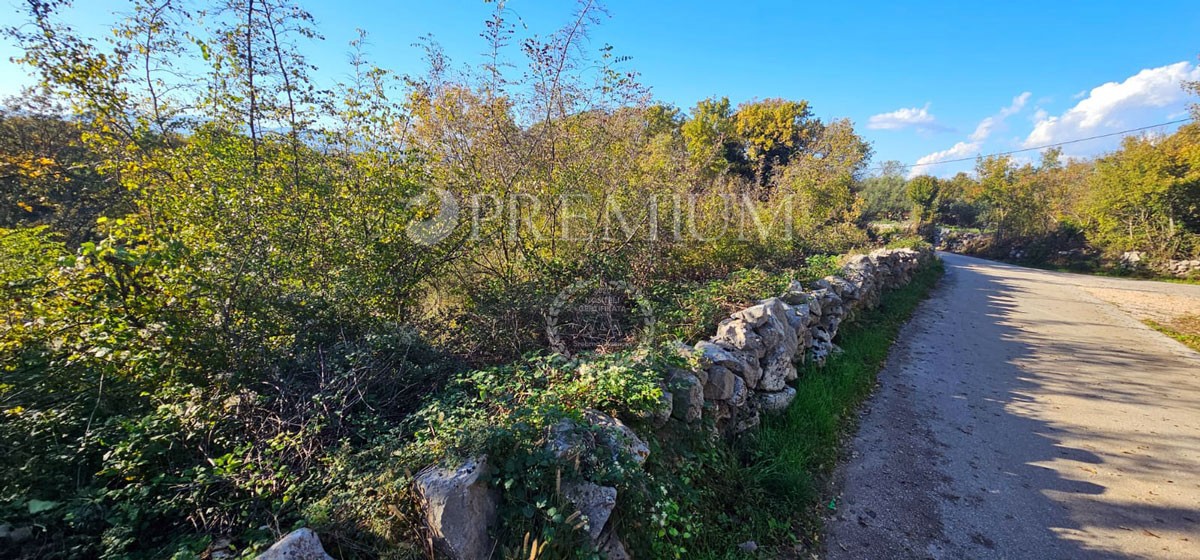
point(1185, 329)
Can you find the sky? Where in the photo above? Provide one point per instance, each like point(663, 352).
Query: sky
point(922, 81)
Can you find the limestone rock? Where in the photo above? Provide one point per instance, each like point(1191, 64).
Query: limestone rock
point(741, 393)
point(778, 367)
point(460, 509)
point(618, 437)
point(720, 384)
point(689, 397)
point(301, 544)
point(738, 334)
point(595, 502)
point(775, 402)
point(740, 363)
point(611, 547)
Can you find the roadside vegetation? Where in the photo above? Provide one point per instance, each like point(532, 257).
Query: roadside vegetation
point(1185, 329)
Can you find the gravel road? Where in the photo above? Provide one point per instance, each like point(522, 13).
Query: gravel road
point(1026, 414)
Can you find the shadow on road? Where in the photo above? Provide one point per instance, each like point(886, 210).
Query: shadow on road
point(1048, 425)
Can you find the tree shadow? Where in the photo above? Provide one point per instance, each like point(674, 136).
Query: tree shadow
point(1062, 428)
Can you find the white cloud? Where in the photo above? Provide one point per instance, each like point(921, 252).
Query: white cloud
point(1148, 97)
point(908, 117)
point(971, 147)
point(989, 125)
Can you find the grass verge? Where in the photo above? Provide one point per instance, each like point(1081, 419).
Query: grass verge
point(767, 487)
point(1184, 329)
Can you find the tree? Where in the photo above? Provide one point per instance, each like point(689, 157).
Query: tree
point(709, 136)
point(922, 191)
point(772, 130)
point(1146, 196)
point(48, 176)
point(883, 194)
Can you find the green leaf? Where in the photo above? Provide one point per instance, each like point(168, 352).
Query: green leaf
point(38, 506)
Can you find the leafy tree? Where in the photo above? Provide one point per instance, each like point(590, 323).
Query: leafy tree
point(48, 176)
point(1147, 195)
point(710, 136)
point(884, 194)
point(922, 192)
point(772, 130)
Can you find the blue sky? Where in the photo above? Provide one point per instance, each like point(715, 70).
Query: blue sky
point(922, 81)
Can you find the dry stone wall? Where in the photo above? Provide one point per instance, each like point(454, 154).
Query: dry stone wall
point(746, 367)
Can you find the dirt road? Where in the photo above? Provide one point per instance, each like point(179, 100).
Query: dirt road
point(1024, 415)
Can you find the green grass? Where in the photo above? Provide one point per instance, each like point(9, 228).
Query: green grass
point(1189, 339)
point(768, 488)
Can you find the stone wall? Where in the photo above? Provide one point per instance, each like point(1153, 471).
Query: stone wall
point(743, 373)
point(1183, 269)
point(746, 367)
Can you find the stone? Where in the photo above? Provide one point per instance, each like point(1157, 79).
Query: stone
point(741, 393)
point(460, 509)
point(740, 363)
point(795, 293)
point(819, 334)
point(595, 502)
point(797, 316)
point(720, 384)
point(611, 547)
point(754, 315)
point(748, 547)
point(737, 334)
point(301, 544)
point(814, 305)
point(748, 421)
point(775, 402)
point(689, 397)
point(15, 534)
point(660, 414)
point(618, 437)
point(777, 368)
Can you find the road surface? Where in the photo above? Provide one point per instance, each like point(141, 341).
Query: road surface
point(1023, 414)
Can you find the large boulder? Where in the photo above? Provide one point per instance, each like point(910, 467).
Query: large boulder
point(460, 509)
point(301, 544)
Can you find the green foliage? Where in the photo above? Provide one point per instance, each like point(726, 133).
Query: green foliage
point(1147, 196)
point(509, 413)
point(219, 328)
point(47, 174)
point(884, 195)
point(688, 311)
point(922, 191)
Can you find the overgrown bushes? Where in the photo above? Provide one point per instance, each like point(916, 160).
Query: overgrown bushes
point(263, 276)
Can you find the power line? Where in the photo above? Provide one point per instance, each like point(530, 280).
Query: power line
point(1054, 145)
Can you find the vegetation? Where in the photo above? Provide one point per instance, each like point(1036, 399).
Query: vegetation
point(1143, 197)
point(1185, 329)
point(237, 300)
